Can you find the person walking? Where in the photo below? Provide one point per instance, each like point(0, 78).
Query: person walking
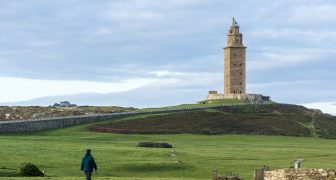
point(88, 164)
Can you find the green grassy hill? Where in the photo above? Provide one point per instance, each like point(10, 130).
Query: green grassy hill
point(201, 104)
point(59, 153)
point(270, 119)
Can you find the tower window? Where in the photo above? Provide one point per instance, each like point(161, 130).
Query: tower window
point(240, 73)
point(240, 92)
point(240, 83)
point(234, 64)
point(234, 92)
point(239, 64)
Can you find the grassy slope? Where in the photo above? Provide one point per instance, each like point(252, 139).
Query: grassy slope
point(209, 103)
point(59, 153)
point(28, 112)
point(325, 126)
point(270, 119)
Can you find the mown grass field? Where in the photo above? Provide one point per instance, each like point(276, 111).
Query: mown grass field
point(59, 154)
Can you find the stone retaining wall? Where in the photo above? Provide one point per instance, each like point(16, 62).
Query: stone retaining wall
point(50, 123)
point(301, 174)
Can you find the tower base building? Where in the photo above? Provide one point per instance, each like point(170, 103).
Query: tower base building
point(213, 95)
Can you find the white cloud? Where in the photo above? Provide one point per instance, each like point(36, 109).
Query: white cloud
point(177, 42)
point(174, 79)
point(316, 12)
point(326, 107)
point(20, 89)
point(163, 73)
point(126, 15)
point(280, 83)
point(273, 60)
point(300, 34)
point(285, 58)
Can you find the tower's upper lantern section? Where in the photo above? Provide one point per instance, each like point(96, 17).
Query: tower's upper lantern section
point(235, 38)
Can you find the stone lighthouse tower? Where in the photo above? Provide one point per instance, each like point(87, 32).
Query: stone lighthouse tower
point(234, 63)
point(235, 70)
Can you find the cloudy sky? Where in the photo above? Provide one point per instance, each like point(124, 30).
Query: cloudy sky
point(161, 52)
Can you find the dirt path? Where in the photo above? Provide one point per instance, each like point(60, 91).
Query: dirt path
point(312, 127)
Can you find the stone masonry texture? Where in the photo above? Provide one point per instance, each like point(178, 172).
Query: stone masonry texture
point(234, 62)
point(301, 174)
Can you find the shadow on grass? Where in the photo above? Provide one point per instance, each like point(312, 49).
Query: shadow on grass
point(7, 172)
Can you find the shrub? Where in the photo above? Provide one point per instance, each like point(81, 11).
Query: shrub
point(155, 145)
point(28, 169)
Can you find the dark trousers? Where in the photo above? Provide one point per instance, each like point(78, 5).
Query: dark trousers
point(88, 175)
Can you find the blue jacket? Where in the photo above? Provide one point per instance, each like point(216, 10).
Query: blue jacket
point(88, 163)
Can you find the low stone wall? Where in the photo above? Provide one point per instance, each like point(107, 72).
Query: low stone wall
point(32, 125)
point(50, 123)
point(302, 174)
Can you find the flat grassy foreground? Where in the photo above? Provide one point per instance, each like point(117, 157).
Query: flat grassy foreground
point(59, 154)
